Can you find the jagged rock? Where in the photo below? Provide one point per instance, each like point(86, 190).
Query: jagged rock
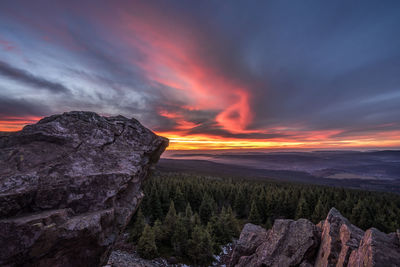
point(294, 243)
point(250, 238)
point(288, 243)
point(339, 239)
point(376, 249)
point(69, 185)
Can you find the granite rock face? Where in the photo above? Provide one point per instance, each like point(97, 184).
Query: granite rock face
point(339, 239)
point(251, 237)
point(69, 185)
point(377, 249)
point(332, 242)
point(288, 243)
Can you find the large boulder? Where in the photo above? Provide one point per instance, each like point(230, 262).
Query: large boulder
point(339, 239)
point(376, 249)
point(69, 185)
point(288, 243)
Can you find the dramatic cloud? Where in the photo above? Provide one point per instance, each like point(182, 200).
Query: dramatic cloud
point(29, 79)
point(20, 107)
point(211, 74)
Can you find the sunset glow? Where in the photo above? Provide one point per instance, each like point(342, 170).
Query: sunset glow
point(11, 124)
point(201, 142)
point(181, 141)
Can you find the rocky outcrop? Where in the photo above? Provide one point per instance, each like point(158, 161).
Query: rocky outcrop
point(288, 243)
point(332, 242)
point(339, 239)
point(69, 185)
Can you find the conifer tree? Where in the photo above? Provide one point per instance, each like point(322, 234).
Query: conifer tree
point(179, 239)
point(189, 220)
point(169, 222)
point(361, 215)
point(319, 212)
point(158, 231)
point(356, 213)
point(214, 228)
point(196, 219)
point(254, 216)
point(261, 203)
point(147, 246)
point(240, 204)
point(179, 200)
point(188, 211)
point(200, 247)
point(232, 224)
point(156, 211)
point(138, 226)
point(206, 209)
point(302, 210)
point(165, 200)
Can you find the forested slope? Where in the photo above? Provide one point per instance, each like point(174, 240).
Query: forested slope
point(190, 216)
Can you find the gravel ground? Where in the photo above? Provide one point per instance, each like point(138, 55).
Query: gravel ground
point(124, 255)
point(119, 258)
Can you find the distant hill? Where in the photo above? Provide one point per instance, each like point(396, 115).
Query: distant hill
point(328, 176)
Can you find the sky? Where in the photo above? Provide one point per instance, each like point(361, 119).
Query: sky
point(209, 74)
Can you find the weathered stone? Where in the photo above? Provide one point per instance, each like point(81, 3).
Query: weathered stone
point(250, 238)
point(69, 185)
point(339, 239)
point(288, 243)
point(376, 249)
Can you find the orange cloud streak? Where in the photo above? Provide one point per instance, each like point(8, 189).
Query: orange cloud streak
point(182, 124)
point(173, 61)
point(11, 124)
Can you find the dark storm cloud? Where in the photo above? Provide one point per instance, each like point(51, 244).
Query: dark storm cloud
point(322, 62)
point(23, 76)
point(10, 107)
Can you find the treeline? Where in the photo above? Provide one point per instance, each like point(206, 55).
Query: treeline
point(190, 216)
